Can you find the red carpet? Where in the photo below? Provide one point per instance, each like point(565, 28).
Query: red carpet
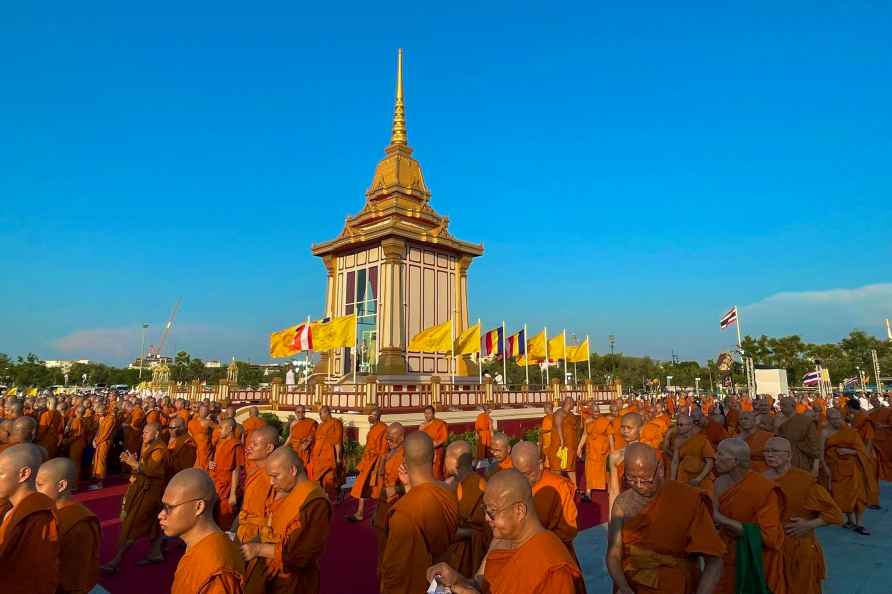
point(347, 566)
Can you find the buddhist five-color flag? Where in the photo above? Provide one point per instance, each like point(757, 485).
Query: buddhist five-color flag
point(536, 347)
point(492, 342)
point(334, 334)
point(469, 341)
point(516, 345)
point(557, 347)
point(578, 353)
point(436, 339)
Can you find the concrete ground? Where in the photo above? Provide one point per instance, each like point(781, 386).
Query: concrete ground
point(855, 564)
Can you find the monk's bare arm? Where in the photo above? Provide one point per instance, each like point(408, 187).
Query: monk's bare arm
point(707, 468)
point(558, 423)
point(233, 490)
point(712, 573)
point(615, 549)
point(723, 521)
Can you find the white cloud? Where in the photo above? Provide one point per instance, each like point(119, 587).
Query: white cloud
point(99, 343)
point(820, 316)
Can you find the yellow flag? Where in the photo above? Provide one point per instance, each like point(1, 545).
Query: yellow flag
point(536, 346)
point(436, 339)
point(579, 353)
point(31, 392)
point(469, 341)
point(281, 343)
point(556, 347)
point(334, 334)
point(524, 361)
point(12, 391)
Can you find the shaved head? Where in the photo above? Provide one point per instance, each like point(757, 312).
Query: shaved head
point(510, 485)
point(18, 469)
point(419, 450)
point(500, 446)
point(525, 458)
point(508, 504)
point(262, 443)
point(56, 477)
point(639, 455)
point(188, 501)
point(285, 469)
point(23, 430)
point(458, 457)
point(731, 453)
point(779, 443)
point(375, 415)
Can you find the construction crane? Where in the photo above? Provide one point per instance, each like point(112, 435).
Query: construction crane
point(168, 327)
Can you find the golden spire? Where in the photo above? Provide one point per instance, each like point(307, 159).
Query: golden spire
point(399, 136)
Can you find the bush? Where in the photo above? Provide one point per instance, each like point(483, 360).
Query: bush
point(352, 455)
point(273, 420)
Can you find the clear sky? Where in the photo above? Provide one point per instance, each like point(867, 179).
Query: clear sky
point(633, 169)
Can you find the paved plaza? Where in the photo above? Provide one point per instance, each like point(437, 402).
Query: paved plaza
point(855, 564)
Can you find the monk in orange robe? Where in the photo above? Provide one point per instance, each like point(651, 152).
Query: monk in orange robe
point(212, 563)
point(806, 507)
point(755, 438)
point(566, 435)
point(501, 454)
point(715, 428)
point(659, 529)
point(844, 463)
point(864, 425)
point(524, 557)
point(325, 458)
point(421, 525)
point(226, 470)
point(180, 410)
point(133, 429)
point(258, 489)
point(614, 434)
point(473, 535)
point(181, 450)
point(881, 415)
point(693, 456)
point(438, 431)
point(483, 431)
point(732, 415)
point(76, 442)
point(142, 502)
point(252, 423)
point(301, 434)
point(630, 432)
point(746, 497)
point(29, 534)
point(596, 446)
point(545, 431)
point(102, 443)
point(79, 532)
point(391, 485)
point(802, 433)
point(366, 484)
point(298, 516)
point(200, 428)
point(50, 427)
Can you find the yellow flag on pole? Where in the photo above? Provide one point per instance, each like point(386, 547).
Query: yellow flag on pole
point(12, 391)
point(579, 353)
point(525, 361)
point(536, 347)
point(436, 339)
point(334, 334)
point(31, 392)
point(469, 341)
point(281, 343)
point(556, 347)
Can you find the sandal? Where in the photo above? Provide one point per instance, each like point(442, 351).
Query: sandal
point(862, 530)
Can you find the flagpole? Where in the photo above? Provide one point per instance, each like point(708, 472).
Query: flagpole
point(565, 355)
point(546, 357)
point(356, 346)
point(307, 358)
point(743, 357)
point(452, 329)
point(588, 357)
point(526, 355)
point(480, 358)
point(504, 355)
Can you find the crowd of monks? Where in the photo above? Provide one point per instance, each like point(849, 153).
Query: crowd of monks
point(704, 495)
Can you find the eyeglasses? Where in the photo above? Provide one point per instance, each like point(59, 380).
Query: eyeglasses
point(168, 508)
point(492, 513)
point(642, 482)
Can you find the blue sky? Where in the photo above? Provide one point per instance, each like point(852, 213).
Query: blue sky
point(631, 169)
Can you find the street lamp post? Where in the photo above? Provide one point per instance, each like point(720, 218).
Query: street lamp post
point(668, 382)
point(697, 386)
point(142, 347)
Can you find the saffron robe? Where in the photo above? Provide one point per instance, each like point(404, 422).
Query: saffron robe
point(437, 430)
point(302, 434)
point(570, 434)
point(388, 478)
point(420, 527)
point(29, 546)
point(864, 425)
point(619, 441)
point(541, 565)
point(76, 438)
point(142, 502)
point(802, 433)
point(251, 516)
point(754, 500)
point(251, 425)
point(79, 538)
point(133, 430)
point(181, 454)
point(848, 483)
point(201, 435)
point(715, 433)
point(661, 544)
point(467, 553)
point(483, 427)
point(49, 431)
point(323, 459)
point(213, 565)
point(366, 484)
point(692, 455)
point(757, 441)
point(554, 497)
point(545, 435)
point(104, 434)
point(804, 566)
point(597, 447)
point(882, 419)
point(228, 457)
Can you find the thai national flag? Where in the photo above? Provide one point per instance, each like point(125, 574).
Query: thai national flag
point(811, 378)
point(729, 318)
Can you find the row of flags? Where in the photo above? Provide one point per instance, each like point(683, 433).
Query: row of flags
point(323, 335)
point(15, 391)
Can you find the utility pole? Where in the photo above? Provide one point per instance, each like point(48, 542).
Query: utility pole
point(876, 371)
point(142, 349)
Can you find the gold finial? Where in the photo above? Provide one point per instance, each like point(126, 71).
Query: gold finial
point(399, 136)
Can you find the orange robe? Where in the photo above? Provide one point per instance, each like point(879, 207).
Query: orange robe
point(142, 502)
point(366, 484)
point(388, 477)
point(180, 455)
point(804, 565)
point(302, 434)
point(802, 433)
point(540, 565)
point(652, 434)
point(251, 425)
point(545, 436)
point(251, 515)
point(569, 432)
point(49, 431)
point(670, 532)
point(757, 442)
point(420, 527)
point(79, 538)
point(467, 552)
point(848, 484)
point(866, 429)
point(554, 497)
point(754, 500)
point(213, 565)
point(228, 457)
point(882, 419)
point(298, 525)
point(437, 430)
point(133, 430)
point(323, 459)
point(715, 433)
point(29, 546)
point(104, 434)
point(618, 441)
point(732, 419)
point(185, 415)
point(597, 448)
point(692, 455)
point(77, 442)
point(483, 427)
point(201, 435)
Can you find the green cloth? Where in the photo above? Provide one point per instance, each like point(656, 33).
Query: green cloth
point(750, 578)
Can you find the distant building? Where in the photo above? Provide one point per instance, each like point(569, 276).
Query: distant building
point(213, 364)
point(65, 363)
point(150, 361)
